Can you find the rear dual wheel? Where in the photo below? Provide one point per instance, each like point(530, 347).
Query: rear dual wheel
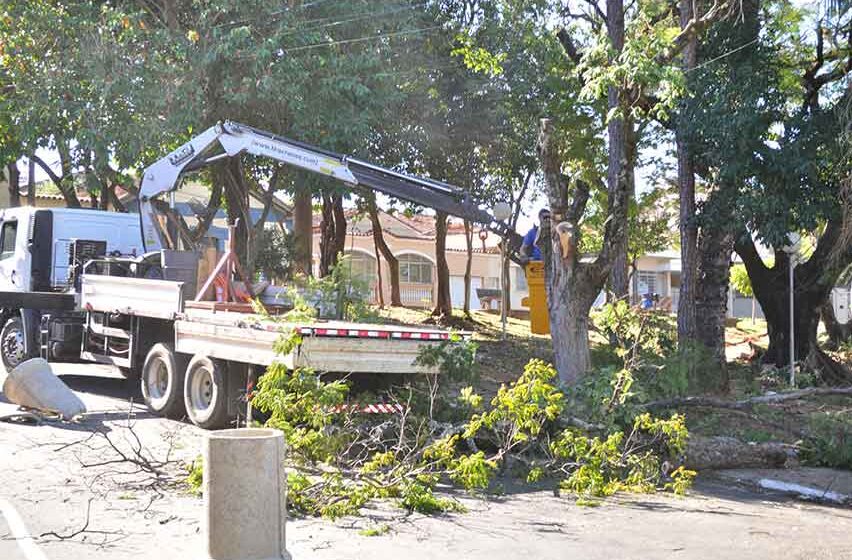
point(162, 381)
point(174, 386)
point(205, 392)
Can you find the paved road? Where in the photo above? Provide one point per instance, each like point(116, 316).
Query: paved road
point(42, 474)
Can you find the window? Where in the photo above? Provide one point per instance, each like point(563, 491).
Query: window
point(363, 266)
point(414, 269)
point(7, 239)
point(647, 283)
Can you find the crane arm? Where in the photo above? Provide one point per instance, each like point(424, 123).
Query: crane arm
point(233, 139)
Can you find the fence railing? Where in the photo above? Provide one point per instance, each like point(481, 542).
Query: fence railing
point(416, 295)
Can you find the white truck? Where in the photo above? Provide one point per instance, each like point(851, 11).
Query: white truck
point(101, 287)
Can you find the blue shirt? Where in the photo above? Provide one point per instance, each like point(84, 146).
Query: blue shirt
point(529, 241)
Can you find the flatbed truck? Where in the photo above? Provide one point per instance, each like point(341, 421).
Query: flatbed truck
point(104, 287)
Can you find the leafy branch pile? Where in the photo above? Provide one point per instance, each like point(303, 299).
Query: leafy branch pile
point(448, 435)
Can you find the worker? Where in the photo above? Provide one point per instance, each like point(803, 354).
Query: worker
point(530, 248)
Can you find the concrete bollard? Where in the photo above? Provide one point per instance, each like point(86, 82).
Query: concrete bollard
point(245, 495)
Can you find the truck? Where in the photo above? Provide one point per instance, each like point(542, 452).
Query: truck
point(90, 286)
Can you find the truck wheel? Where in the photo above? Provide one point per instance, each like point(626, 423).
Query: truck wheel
point(205, 393)
point(162, 381)
point(12, 343)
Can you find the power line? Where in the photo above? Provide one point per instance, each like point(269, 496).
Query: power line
point(723, 55)
point(362, 39)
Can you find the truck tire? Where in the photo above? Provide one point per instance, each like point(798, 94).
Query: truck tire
point(162, 381)
point(12, 348)
point(205, 393)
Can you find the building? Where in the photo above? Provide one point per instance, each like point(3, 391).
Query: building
point(412, 241)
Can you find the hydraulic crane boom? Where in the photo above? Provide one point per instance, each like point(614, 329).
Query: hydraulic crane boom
point(164, 176)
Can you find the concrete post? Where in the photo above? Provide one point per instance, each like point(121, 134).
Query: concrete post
point(245, 495)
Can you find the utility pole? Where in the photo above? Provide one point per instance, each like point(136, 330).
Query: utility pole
point(792, 249)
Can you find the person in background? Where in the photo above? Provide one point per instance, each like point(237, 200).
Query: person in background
point(530, 247)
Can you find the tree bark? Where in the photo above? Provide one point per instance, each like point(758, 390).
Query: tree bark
point(332, 232)
point(571, 285)
point(468, 236)
point(711, 296)
point(621, 149)
point(813, 282)
point(302, 231)
point(14, 177)
point(31, 183)
point(686, 192)
point(380, 288)
point(390, 258)
point(443, 304)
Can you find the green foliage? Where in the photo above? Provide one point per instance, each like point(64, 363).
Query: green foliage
point(274, 254)
point(740, 280)
point(294, 400)
point(453, 359)
point(195, 476)
point(602, 467)
point(421, 498)
point(375, 531)
point(829, 442)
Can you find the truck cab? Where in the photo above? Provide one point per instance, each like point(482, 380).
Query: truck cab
point(36, 265)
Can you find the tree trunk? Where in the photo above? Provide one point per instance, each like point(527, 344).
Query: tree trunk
point(468, 236)
point(813, 281)
point(711, 296)
point(390, 258)
point(443, 304)
point(65, 183)
point(332, 232)
point(569, 298)
point(31, 183)
point(302, 231)
point(236, 196)
point(622, 150)
point(686, 188)
point(380, 288)
point(571, 285)
point(14, 177)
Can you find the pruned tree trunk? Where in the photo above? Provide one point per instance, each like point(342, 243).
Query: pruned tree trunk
point(572, 285)
point(332, 232)
point(14, 177)
point(385, 250)
point(443, 302)
point(302, 231)
point(468, 236)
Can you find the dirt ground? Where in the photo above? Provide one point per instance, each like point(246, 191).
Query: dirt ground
point(48, 480)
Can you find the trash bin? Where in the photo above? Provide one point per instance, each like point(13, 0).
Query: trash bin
point(537, 299)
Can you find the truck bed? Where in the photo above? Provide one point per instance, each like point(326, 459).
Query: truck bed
point(337, 346)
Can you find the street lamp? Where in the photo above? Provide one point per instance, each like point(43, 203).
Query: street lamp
point(792, 249)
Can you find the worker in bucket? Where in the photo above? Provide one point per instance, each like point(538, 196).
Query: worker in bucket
point(530, 248)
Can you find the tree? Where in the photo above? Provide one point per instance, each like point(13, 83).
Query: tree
point(383, 248)
point(774, 100)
